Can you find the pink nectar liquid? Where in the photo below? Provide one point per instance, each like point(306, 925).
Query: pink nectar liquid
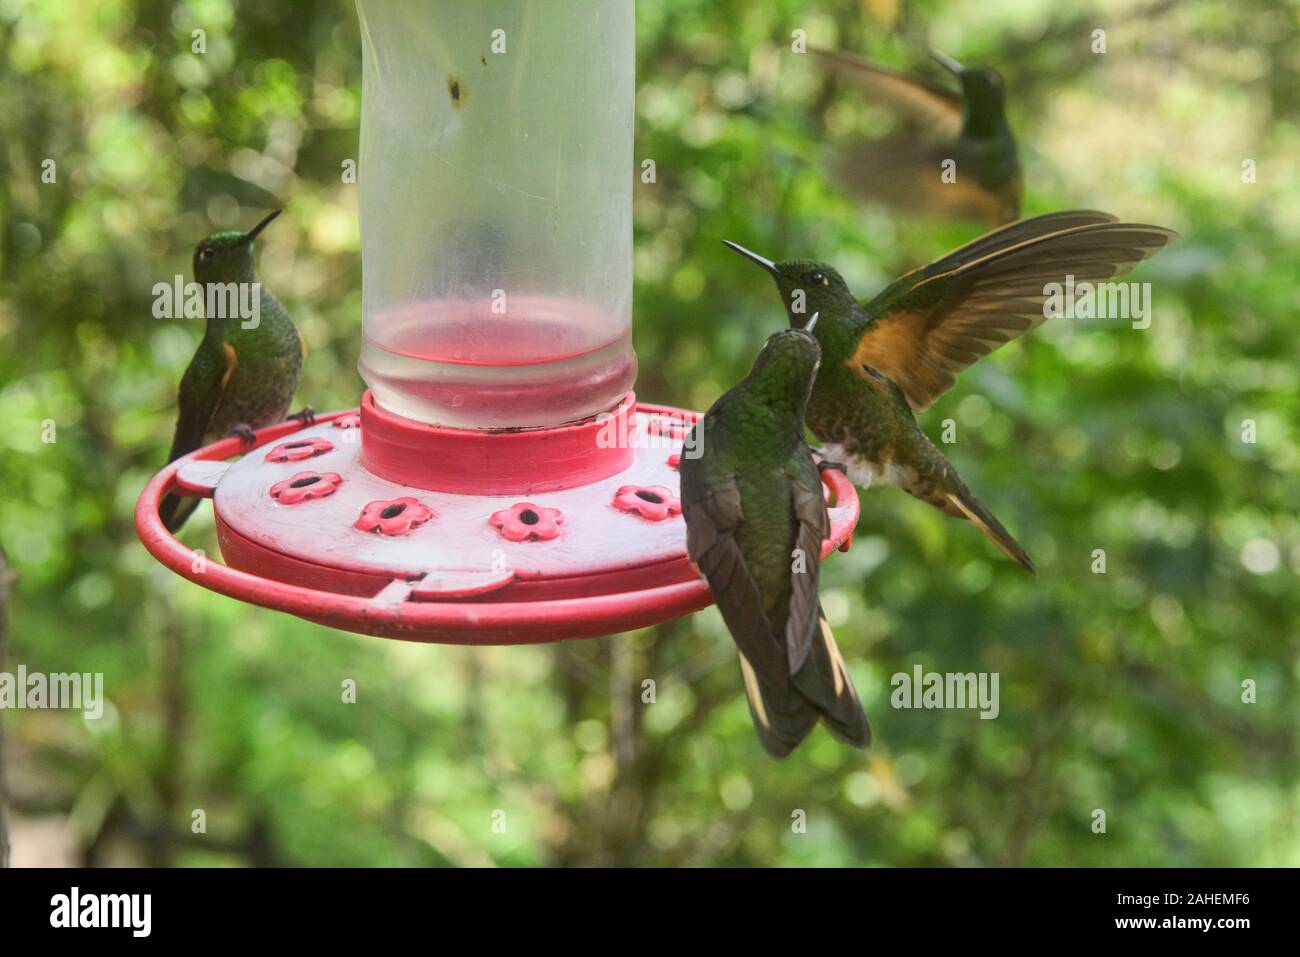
point(542, 362)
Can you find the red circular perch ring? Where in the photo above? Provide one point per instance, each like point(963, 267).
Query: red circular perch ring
point(516, 605)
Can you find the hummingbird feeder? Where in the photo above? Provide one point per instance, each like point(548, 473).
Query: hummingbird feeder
point(499, 483)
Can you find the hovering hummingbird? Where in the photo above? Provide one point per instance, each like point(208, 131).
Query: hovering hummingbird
point(897, 353)
point(243, 375)
point(968, 128)
point(755, 521)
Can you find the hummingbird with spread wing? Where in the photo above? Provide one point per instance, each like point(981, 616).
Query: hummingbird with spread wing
point(892, 356)
point(243, 374)
point(755, 520)
point(959, 158)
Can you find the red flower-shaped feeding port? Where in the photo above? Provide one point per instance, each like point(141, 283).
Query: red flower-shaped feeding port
point(526, 522)
point(299, 449)
point(348, 422)
point(396, 517)
point(304, 486)
point(653, 502)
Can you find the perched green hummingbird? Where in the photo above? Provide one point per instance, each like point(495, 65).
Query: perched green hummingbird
point(755, 521)
point(964, 163)
point(243, 375)
point(897, 353)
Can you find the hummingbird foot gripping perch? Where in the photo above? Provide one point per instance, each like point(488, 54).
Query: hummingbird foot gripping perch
point(244, 432)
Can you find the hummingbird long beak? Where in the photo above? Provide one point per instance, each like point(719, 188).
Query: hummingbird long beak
point(266, 221)
point(765, 263)
point(812, 322)
point(947, 62)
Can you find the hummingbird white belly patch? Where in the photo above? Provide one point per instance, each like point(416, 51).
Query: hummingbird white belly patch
point(862, 472)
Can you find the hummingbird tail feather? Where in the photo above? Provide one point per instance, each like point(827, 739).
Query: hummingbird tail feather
point(983, 519)
point(781, 718)
point(825, 683)
point(175, 509)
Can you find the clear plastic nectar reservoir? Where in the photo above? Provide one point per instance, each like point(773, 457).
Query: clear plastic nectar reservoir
point(496, 209)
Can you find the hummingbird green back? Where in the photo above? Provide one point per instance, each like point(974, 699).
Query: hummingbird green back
point(755, 518)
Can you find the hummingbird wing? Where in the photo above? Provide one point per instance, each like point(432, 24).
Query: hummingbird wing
point(938, 107)
point(713, 516)
point(782, 717)
point(793, 677)
point(200, 392)
point(812, 527)
point(938, 320)
point(905, 173)
point(824, 680)
point(1001, 238)
point(816, 668)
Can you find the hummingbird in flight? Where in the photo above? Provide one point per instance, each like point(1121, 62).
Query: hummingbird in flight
point(962, 163)
point(755, 520)
point(890, 357)
point(243, 375)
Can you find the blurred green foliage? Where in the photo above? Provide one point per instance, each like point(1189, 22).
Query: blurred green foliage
point(1119, 691)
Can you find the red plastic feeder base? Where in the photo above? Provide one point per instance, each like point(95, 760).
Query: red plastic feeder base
point(373, 523)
